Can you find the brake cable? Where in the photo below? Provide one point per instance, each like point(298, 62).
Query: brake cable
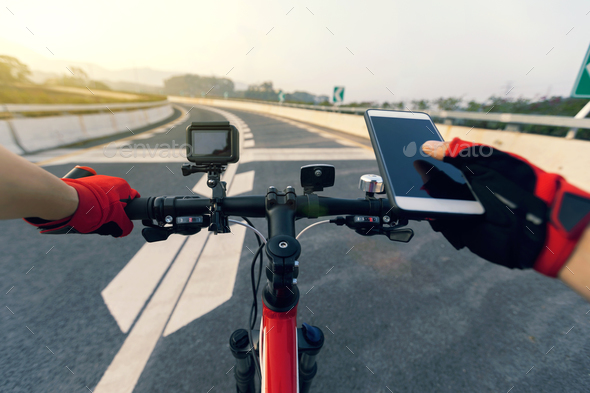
point(254, 309)
point(255, 286)
point(312, 225)
point(260, 235)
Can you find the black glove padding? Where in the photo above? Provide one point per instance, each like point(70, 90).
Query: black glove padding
point(512, 230)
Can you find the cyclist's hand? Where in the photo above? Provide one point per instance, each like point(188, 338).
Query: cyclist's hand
point(533, 219)
point(100, 208)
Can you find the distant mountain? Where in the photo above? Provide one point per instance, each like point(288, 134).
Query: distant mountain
point(45, 67)
point(134, 87)
point(141, 79)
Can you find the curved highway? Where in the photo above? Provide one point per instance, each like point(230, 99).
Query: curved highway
point(90, 313)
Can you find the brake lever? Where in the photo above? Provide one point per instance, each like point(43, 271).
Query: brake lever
point(156, 234)
point(185, 225)
point(403, 235)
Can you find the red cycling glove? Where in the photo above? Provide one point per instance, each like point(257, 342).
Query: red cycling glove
point(100, 208)
point(533, 219)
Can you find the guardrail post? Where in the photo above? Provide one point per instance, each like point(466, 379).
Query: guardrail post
point(571, 134)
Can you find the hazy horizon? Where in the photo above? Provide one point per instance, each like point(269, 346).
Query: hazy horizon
point(378, 50)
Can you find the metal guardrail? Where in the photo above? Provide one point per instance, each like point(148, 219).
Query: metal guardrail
point(509, 118)
point(513, 118)
point(23, 108)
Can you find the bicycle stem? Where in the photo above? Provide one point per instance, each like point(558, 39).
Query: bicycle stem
point(282, 249)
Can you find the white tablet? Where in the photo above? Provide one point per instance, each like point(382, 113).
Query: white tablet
point(397, 138)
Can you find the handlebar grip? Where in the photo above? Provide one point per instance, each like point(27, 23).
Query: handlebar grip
point(79, 171)
point(138, 209)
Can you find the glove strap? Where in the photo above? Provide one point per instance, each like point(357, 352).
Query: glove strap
point(570, 215)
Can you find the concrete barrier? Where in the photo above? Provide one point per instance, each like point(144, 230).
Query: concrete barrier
point(155, 114)
point(131, 119)
point(570, 158)
point(41, 133)
point(97, 125)
point(6, 139)
point(45, 132)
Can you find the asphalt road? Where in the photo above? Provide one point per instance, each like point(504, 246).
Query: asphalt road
point(417, 317)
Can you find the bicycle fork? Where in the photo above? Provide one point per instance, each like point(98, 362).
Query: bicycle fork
point(310, 340)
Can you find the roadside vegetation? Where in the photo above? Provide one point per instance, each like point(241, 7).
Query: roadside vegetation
point(553, 106)
point(76, 88)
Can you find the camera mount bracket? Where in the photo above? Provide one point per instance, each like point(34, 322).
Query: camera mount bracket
point(219, 223)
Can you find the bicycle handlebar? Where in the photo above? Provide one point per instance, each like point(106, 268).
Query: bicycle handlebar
point(251, 206)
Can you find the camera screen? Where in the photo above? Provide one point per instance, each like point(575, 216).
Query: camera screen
point(211, 143)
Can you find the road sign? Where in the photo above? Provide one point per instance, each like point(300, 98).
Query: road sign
point(281, 96)
point(338, 95)
point(582, 86)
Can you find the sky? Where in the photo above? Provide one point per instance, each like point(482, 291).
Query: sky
point(378, 50)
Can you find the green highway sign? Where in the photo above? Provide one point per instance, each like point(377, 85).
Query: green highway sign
point(338, 95)
point(582, 86)
point(281, 96)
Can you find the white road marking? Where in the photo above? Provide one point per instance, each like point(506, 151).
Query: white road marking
point(344, 142)
point(201, 187)
point(145, 135)
point(343, 154)
point(248, 143)
point(229, 175)
point(212, 282)
point(49, 154)
point(147, 156)
point(242, 183)
point(124, 371)
point(126, 295)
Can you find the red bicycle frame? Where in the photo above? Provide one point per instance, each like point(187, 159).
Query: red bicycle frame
point(279, 363)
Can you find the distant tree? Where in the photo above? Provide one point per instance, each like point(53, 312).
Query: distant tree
point(98, 85)
point(448, 104)
point(506, 105)
point(559, 106)
point(498, 104)
point(263, 91)
point(77, 78)
point(399, 105)
point(266, 86)
point(79, 73)
point(421, 105)
point(13, 71)
point(300, 96)
point(385, 105)
point(321, 98)
point(473, 106)
point(198, 86)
